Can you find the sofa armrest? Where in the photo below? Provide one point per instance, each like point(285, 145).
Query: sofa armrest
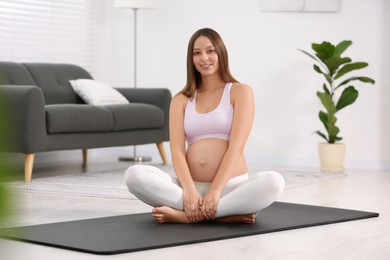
point(24, 113)
point(160, 97)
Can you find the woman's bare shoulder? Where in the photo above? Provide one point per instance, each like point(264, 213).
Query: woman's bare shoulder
point(240, 89)
point(179, 100)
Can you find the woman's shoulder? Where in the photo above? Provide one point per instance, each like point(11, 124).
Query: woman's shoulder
point(239, 89)
point(179, 99)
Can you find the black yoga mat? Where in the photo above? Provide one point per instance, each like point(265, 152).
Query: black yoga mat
point(128, 233)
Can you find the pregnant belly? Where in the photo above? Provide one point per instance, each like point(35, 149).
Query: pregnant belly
point(204, 158)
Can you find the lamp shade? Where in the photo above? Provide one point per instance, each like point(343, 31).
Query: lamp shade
point(136, 4)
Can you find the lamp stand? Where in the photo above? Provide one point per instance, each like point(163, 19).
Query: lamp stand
point(135, 158)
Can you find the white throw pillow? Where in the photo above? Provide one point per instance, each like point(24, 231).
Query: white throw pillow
point(97, 93)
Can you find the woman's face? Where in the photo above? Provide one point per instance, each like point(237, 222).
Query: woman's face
point(204, 56)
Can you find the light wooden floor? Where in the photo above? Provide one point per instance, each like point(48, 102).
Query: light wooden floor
point(362, 239)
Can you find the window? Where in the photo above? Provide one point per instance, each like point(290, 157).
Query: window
point(55, 31)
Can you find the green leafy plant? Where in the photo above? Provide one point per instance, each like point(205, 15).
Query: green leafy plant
point(333, 67)
point(5, 171)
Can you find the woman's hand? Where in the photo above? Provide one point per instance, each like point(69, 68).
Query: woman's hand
point(210, 203)
point(192, 200)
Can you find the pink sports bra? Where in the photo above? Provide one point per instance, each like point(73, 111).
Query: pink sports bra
point(214, 124)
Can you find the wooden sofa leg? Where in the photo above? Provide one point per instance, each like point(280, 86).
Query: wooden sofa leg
point(85, 155)
point(28, 166)
point(161, 150)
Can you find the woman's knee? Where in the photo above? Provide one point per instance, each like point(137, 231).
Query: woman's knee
point(134, 176)
point(140, 178)
point(274, 181)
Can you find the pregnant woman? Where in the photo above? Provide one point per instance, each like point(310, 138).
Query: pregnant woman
point(210, 121)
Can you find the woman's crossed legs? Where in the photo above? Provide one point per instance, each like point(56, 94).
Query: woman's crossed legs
point(241, 198)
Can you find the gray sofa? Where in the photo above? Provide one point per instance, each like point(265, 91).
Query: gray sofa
point(45, 114)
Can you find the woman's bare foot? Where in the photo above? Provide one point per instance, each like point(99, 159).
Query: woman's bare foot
point(166, 214)
point(248, 218)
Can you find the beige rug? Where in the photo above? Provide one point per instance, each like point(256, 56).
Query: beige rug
point(110, 184)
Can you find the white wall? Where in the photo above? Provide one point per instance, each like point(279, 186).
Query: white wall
point(263, 53)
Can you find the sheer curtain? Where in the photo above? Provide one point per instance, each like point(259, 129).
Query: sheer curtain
point(55, 31)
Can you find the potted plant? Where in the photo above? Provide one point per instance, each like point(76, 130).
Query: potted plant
point(333, 67)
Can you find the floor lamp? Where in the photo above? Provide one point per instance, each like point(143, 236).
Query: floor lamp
point(135, 5)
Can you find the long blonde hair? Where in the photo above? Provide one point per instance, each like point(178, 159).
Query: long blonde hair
point(194, 78)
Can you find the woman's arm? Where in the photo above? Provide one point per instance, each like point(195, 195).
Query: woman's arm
point(191, 198)
point(243, 116)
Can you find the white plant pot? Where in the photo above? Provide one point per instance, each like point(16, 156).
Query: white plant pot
point(332, 157)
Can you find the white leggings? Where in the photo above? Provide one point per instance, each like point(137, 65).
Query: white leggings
point(244, 194)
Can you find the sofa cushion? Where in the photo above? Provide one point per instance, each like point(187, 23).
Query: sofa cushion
point(97, 93)
point(12, 73)
point(136, 116)
point(53, 79)
point(76, 118)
